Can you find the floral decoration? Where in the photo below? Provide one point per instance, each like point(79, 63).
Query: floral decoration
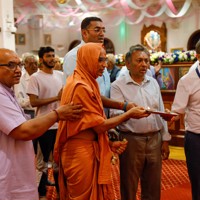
point(120, 59)
point(170, 58)
point(165, 58)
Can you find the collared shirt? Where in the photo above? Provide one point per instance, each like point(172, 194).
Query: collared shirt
point(150, 72)
point(194, 66)
point(17, 168)
point(187, 100)
point(146, 94)
point(20, 92)
point(69, 65)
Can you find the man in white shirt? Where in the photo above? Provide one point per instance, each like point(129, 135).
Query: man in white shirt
point(153, 71)
point(187, 101)
point(147, 137)
point(44, 90)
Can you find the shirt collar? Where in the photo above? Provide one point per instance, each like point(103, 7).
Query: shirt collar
point(198, 69)
point(128, 79)
point(27, 76)
point(10, 90)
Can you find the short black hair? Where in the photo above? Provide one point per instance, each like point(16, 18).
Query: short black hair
point(86, 22)
point(197, 47)
point(44, 50)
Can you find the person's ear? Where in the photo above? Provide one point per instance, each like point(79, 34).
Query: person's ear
point(84, 33)
point(40, 62)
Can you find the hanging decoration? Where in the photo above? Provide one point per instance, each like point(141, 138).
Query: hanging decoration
point(130, 11)
point(182, 12)
point(61, 1)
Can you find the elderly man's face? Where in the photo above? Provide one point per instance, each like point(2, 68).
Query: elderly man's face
point(10, 69)
point(139, 64)
point(31, 65)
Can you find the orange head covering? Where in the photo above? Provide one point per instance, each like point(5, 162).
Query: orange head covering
point(82, 88)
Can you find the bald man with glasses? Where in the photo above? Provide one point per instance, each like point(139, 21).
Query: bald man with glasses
point(17, 167)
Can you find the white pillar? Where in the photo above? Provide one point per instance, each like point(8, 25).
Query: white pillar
point(7, 32)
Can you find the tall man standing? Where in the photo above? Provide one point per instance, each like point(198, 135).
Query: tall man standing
point(93, 30)
point(147, 137)
point(45, 89)
point(187, 101)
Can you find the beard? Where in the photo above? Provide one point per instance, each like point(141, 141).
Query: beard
point(47, 65)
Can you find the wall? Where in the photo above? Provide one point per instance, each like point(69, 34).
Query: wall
point(178, 32)
point(7, 28)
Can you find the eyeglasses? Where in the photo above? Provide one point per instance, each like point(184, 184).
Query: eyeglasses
point(102, 59)
point(97, 30)
point(12, 65)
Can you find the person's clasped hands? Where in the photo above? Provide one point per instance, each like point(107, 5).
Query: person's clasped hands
point(118, 146)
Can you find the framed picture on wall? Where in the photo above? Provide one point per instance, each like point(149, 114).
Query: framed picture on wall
point(47, 39)
point(20, 39)
point(176, 50)
point(168, 77)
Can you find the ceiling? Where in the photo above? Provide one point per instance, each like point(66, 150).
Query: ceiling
point(64, 13)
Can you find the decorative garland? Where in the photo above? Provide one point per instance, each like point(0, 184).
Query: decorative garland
point(131, 12)
point(165, 58)
point(171, 58)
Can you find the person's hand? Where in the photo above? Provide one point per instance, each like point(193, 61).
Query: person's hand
point(118, 146)
point(130, 105)
point(170, 118)
point(113, 135)
point(138, 112)
point(70, 112)
point(165, 150)
point(60, 94)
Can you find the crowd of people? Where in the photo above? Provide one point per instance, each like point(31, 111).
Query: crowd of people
point(64, 114)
